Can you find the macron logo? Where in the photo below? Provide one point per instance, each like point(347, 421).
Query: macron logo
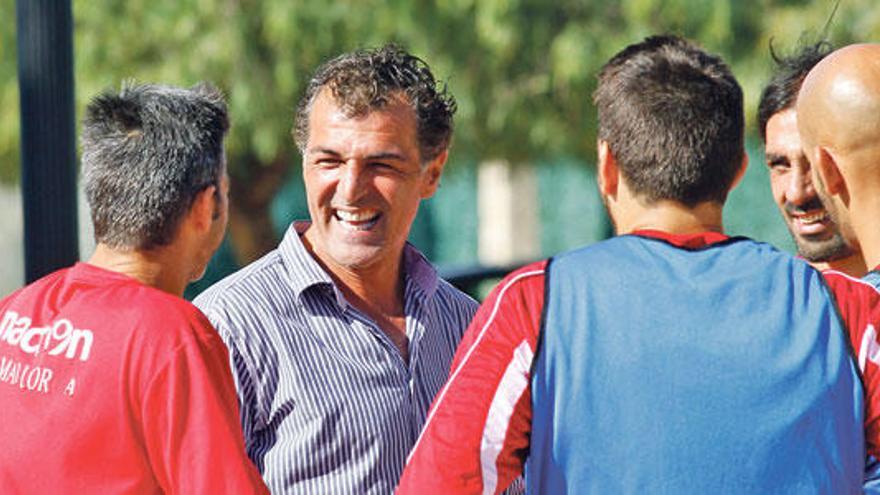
point(58, 338)
point(870, 349)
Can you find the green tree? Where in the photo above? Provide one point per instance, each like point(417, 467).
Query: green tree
point(9, 131)
point(522, 70)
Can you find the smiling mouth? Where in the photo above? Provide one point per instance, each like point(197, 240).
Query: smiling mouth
point(817, 217)
point(358, 219)
point(813, 224)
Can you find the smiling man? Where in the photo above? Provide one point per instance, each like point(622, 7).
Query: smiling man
point(341, 337)
point(819, 240)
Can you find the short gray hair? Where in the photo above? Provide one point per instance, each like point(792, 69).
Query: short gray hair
point(147, 152)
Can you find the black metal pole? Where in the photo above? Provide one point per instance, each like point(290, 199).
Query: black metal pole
point(48, 141)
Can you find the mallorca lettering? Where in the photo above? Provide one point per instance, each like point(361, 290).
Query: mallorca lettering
point(25, 376)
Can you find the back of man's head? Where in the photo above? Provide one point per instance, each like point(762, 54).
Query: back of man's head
point(672, 116)
point(366, 80)
point(782, 90)
point(147, 151)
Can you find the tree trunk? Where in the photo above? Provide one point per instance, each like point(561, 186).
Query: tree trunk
point(250, 225)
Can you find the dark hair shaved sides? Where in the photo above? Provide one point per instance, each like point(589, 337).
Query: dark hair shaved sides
point(672, 115)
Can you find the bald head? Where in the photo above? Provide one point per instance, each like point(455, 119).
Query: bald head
point(839, 103)
point(838, 113)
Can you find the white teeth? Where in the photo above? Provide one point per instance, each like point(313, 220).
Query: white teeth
point(356, 216)
point(816, 217)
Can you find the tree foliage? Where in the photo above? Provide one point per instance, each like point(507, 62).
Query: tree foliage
point(9, 114)
point(523, 71)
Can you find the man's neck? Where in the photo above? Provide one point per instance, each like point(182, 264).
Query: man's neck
point(671, 217)
point(863, 218)
point(853, 266)
point(378, 288)
point(155, 268)
point(376, 291)
point(374, 288)
point(382, 301)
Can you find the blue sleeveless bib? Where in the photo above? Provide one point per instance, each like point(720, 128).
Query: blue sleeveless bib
point(724, 369)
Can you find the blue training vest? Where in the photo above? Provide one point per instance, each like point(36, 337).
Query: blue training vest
point(724, 369)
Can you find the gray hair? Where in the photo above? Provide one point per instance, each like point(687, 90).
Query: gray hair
point(147, 152)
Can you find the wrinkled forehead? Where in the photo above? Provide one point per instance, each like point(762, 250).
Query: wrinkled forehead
point(387, 130)
point(782, 135)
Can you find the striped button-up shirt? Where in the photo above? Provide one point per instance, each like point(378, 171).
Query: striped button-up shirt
point(328, 405)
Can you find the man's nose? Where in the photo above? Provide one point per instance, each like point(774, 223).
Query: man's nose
point(351, 182)
point(800, 187)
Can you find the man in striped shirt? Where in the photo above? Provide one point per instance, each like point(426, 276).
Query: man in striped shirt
point(341, 337)
point(671, 358)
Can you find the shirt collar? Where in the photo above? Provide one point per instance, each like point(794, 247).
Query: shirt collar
point(304, 272)
point(419, 270)
point(302, 269)
point(688, 241)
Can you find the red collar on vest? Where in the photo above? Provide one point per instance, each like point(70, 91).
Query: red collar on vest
point(690, 241)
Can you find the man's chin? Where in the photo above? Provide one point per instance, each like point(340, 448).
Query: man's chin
point(816, 239)
point(358, 258)
point(829, 249)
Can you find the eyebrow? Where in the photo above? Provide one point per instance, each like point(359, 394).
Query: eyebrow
point(385, 155)
point(775, 157)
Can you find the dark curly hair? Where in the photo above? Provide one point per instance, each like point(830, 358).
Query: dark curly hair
point(782, 90)
point(366, 80)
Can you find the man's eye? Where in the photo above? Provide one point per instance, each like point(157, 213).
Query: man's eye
point(383, 167)
point(327, 162)
point(779, 165)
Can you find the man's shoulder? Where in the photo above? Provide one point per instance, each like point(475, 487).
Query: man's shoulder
point(873, 278)
point(36, 286)
point(253, 284)
point(147, 311)
point(132, 309)
point(107, 293)
point(452, 295)
point(525, 281)
point(165, 319)
point(846, 288)
point(613, 253)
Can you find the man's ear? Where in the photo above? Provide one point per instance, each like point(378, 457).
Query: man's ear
point(829, 172)
point(202, 213)
point(740, 172)
point(608, 173)
point(433, 172)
